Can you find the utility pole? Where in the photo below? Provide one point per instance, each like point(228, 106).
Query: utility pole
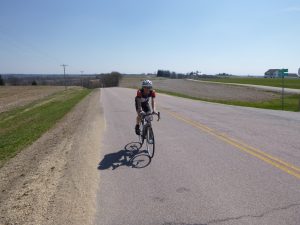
point(282, 72)
point(299, 98)
point(64, 66)
point(81, 78)
point(282, 91)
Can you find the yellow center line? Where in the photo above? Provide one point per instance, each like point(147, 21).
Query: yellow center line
point(272, 160)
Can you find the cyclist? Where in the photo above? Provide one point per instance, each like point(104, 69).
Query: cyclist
point(142, 102)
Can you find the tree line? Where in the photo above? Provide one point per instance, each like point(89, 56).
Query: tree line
point(2, 82)
point(190, 75)
point(88, 81)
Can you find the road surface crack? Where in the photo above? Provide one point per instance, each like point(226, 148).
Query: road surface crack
point(216, 221)
point(253, 216)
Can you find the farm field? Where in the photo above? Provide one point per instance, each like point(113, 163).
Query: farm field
point(135, 81)
point(273, 82)
point(22, 125)
point(218, 92)
point(208, 91)
point(16, 96)
point(211, 91)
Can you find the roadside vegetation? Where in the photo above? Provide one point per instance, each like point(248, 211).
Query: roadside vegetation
point(20, 127)
point(87, 80)
point(2, 82)
point(273, 82)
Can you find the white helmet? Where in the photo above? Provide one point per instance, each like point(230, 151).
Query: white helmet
point(147, 83)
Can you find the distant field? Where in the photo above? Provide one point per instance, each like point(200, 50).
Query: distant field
point(135, 81)
point(273, 82)
point(15, 96)
point(221, 93)
point(208, 91)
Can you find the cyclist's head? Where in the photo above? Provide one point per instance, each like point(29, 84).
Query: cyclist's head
point(147, 84)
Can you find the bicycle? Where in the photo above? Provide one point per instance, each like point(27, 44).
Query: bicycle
point(147, 132)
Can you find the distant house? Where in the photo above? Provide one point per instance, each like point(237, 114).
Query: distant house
point(275, 73)
point(272, 73)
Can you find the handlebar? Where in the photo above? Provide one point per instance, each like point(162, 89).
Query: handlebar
point(143, 114)
point(158, 115)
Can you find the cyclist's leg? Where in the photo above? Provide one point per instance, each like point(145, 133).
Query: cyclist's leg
point(146, 109)
point(138, 119)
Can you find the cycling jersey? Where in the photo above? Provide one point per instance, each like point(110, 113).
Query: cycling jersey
point(144, 99)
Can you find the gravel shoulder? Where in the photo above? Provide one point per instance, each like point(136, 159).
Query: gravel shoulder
point(55, 180)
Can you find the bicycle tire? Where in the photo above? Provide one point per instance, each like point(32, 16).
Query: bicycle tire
point(150, 142)
point(133, 146)
point(140, 161)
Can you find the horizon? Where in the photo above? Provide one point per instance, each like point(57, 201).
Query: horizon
point(123, 74)
point(133, 36)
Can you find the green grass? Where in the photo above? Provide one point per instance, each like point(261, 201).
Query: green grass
point(291, 102)
point(21, 127)
point(274, 82)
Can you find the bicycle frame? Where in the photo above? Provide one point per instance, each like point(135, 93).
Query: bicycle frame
point(145, 123)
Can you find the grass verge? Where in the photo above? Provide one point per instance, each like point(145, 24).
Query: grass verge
point(291, 102)
point(22, 126)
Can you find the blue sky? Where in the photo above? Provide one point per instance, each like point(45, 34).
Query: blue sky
point(140, 36)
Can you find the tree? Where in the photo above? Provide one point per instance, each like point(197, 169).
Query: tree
point(110, 79)
point(2, 82)
point(163, 73)
point(34, 83)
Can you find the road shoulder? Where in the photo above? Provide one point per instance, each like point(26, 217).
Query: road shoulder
point(55, 180)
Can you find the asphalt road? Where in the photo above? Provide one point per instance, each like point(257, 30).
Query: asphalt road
point(214, 164)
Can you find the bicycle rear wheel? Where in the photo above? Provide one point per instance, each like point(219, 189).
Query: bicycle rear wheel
point(150, 142)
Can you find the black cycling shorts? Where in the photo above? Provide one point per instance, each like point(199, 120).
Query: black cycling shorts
point(145, 106)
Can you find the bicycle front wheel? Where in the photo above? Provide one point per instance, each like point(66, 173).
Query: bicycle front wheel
point(150, 142)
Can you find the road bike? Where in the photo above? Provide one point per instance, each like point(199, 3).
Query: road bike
point(147, 133)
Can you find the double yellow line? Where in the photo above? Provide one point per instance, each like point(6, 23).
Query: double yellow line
point(284, 166)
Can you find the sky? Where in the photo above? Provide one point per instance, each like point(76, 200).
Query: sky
point(240, 37)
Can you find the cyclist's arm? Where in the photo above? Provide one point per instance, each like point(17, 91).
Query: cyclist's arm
point(153, 104)
point(153, 95)
point(138, 100)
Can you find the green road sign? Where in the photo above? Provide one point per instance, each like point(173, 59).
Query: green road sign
point(283, 72)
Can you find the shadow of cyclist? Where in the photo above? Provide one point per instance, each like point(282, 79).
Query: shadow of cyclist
point(130, 156)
